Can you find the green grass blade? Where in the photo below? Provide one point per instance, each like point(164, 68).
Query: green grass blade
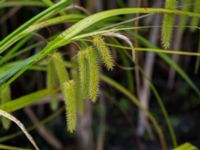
point(26, 100)
point(6, 147)
point(5, 96)
point(186, 146)
point(14, 35)
point(197, 64)
point(14, 50)
point(64, 38)
point(53, 21)
point(14, 3)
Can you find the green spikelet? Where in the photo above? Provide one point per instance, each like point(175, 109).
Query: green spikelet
point(94, 74)
point(52, 82)
point(168, 22)
point(196, 9)
point(60, 68)
point(70, 102)
point(184, 19)
point(83, 71)
point(5, 96)
point(78, 97)
point(104, 52)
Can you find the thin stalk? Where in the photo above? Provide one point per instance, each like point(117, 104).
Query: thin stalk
point(162, 107)
point(138, 104)
point(198, 59)
point(6, 147)
point(22, 3)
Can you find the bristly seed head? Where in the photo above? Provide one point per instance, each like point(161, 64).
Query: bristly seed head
point(83, 73)
point(60, 67)
point(68, 90)
point(168, 22)
point(52, 82)
point(104, 52)
point(94, 74)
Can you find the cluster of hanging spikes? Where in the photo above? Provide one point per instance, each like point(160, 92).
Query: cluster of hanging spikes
point(58, 75)
point(85, 81)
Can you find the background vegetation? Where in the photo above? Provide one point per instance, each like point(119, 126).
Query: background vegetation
point(97, 74)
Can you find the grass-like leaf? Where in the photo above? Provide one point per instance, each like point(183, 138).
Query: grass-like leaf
point(26, 100)
point(186, 146)
point(14, 3)
point(15, 35)
point(5, 96)
point(65, 37)
point(6, 147)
